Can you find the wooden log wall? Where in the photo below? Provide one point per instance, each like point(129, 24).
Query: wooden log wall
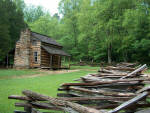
point(56, 61)
point(35, 47)
point(45, 58)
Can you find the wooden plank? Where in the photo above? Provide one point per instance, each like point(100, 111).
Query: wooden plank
point(96, 98)
point(102, 92)
point(62, 103)
point(106, 82)
point(136, 71)
point(19, 97)
point(130, 102)
point(35, 111)
point(16, 111)
point(63, 95)
point(117, 85)
point(112, 72)
point(146, 88)
point(37, 105)
point(119, 68)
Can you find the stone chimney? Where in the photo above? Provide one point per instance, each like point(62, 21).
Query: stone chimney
point(22, 51)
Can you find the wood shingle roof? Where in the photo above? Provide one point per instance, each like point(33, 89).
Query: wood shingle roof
point(55, 51)
point(45, 39)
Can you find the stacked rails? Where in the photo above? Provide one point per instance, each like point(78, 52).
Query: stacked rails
point(117, 88)
point(108, 88)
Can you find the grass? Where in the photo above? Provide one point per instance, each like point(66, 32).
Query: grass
point(8, 73)
point(47, 84)
point(147, 71)
point(85, 67)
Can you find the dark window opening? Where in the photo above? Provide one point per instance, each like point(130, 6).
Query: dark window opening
point(35, 57)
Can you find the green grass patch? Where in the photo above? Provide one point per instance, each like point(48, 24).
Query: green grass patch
point(4, 73)
point(85, 67)
point(147, 71)
point(47, 85)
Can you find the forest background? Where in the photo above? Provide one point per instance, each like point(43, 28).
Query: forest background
point(89, 30)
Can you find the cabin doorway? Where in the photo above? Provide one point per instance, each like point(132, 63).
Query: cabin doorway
point(55, 64)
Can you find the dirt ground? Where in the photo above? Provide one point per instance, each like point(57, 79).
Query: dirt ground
point(46, 72)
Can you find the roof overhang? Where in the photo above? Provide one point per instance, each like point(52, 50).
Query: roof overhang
point(55, 51)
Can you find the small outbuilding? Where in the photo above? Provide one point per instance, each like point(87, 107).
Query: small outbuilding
point(34, 50)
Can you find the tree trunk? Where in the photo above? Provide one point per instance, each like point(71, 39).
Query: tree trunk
point(109, 53)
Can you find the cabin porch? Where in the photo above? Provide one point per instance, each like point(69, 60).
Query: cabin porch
point(50, 59)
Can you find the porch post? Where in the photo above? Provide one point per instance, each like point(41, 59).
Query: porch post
point(59, 65)
point(51, 59)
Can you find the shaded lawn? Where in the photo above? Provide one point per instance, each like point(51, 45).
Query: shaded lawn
point(47, 85)
point(8, 73)
point(85, 67)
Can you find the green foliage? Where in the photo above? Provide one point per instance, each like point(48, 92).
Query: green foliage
point(33, 13)
point(98, 30)
point(11, 22)
point(107, 30)
point(47, 25)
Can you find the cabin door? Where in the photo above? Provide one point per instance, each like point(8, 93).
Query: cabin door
point(55, 61)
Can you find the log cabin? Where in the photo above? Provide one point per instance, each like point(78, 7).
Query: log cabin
point(34, 50)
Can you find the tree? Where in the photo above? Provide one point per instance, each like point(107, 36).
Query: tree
point(33, 13)
point(11, 23)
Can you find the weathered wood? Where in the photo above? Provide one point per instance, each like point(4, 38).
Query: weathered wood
point(58, 102)
point(106, 82)
point(16, 111)
point(95, 98)
point(117, 85)
point(45, 106)
point(108, 74)
point(144, 111)
point(146, 88)
point(112, 106)
point(136, 71)
point(130, 102)
point(35, 111)
point(112, 72)
point(38, 106)
point(103, 92)
point(120, 68)
point(19, 97)
point(19, 104)
point(63, 95)
point(125, 64)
